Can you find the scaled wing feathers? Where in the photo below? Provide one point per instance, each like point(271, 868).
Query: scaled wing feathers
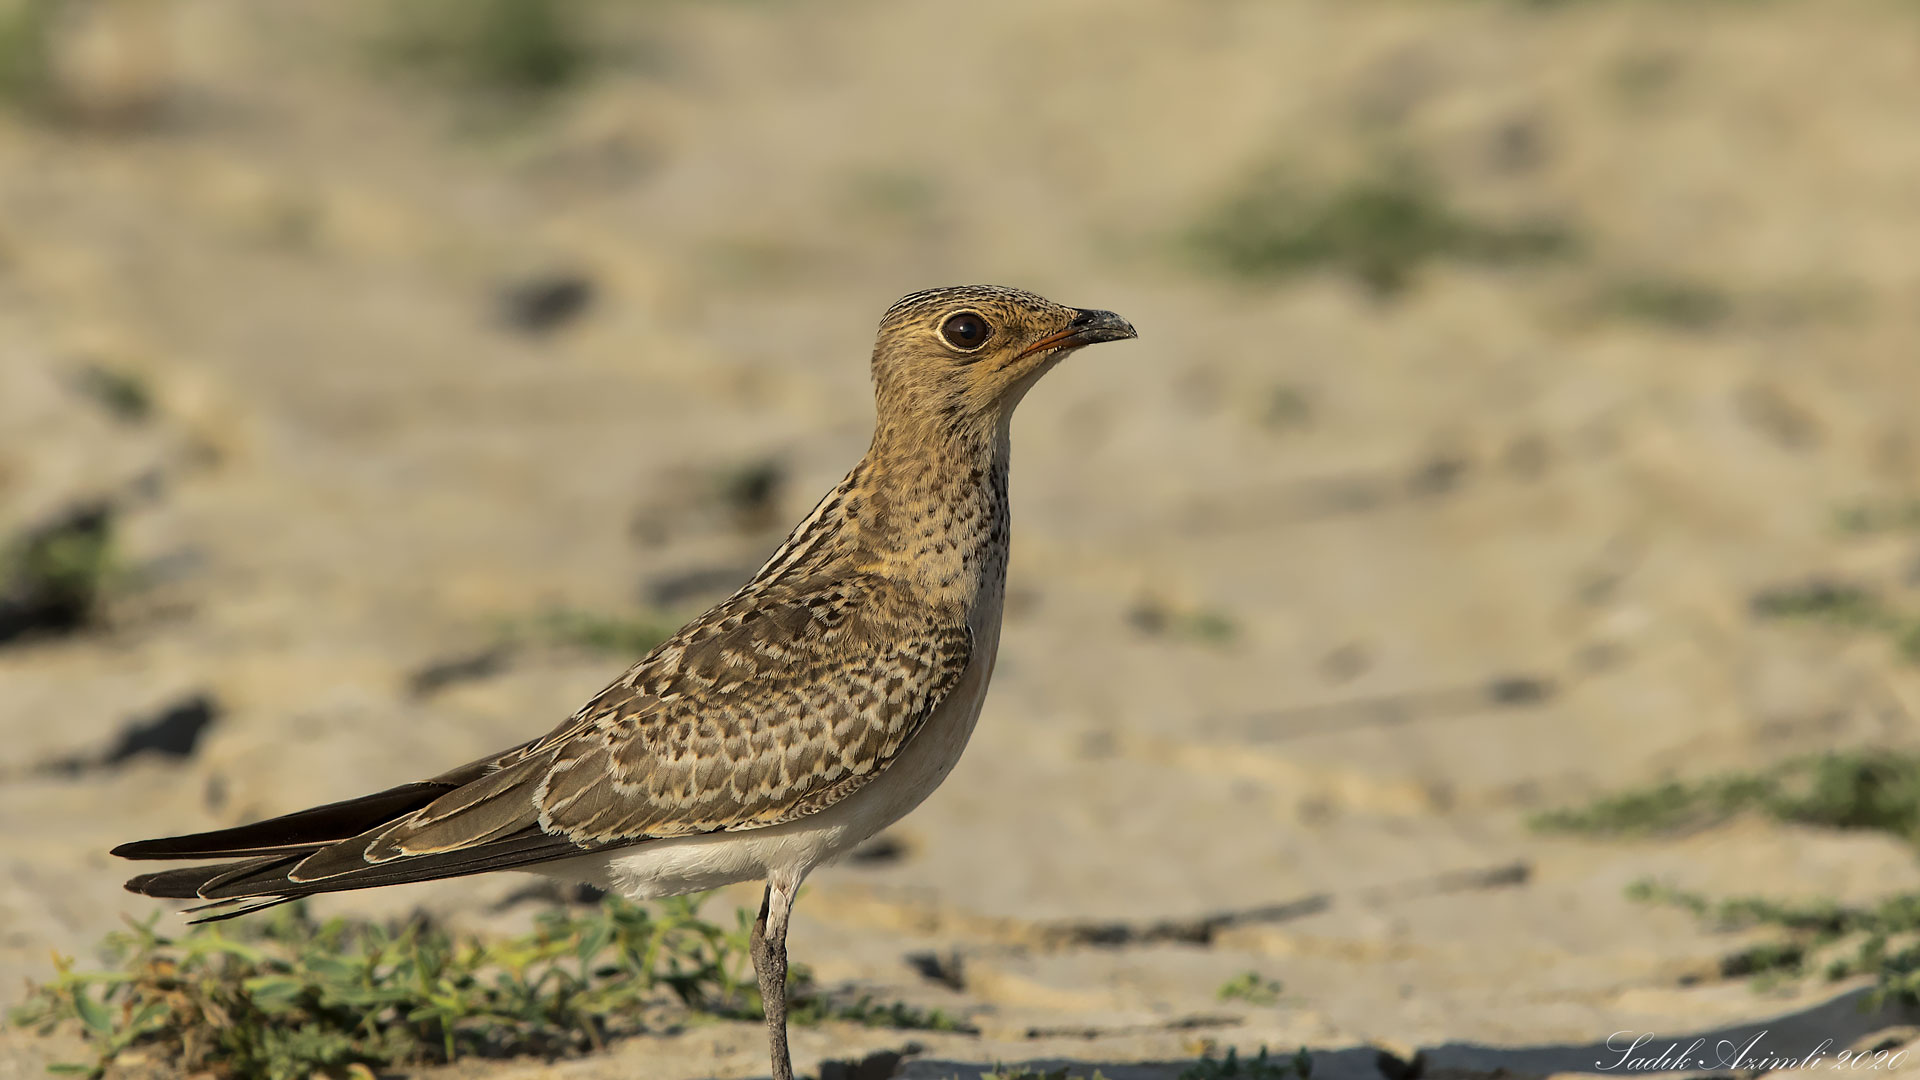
point(765, 712)
point(774, 705)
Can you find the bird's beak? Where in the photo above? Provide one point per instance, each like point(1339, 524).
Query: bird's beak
point(1089, 327)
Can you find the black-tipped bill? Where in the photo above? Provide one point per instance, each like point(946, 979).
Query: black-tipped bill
point(1089, 327)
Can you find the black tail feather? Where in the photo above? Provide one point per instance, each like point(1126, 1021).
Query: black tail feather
point(185, 882)
point(271, 876)
point(237, 911)
point(296, 833)
point(266, 855)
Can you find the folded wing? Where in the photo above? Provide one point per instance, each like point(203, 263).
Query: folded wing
point(774, 705)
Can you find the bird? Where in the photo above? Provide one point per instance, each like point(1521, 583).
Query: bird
point(775, 732)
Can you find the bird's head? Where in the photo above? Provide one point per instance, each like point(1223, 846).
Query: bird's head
point(964, 356)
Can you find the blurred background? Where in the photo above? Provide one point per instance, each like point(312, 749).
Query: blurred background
point(1524, 412)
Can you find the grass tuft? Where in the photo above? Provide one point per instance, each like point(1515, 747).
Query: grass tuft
point(122, 394)
point(26, 47)
point(1206, 626)
point(1379, 229)
point(628, 635)
point(1287, 408)
point(1252, 988)
point(1817, 938)
point(1865, 789)
point(1846, 606)
point(519, 47)
point(1678, 303)
point(1870, 789)
point(1863, 518)
point(52, 578)
point(285, 996)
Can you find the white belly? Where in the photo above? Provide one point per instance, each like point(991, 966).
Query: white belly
point(685, 864)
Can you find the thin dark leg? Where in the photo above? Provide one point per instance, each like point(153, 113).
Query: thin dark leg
point(769, 947)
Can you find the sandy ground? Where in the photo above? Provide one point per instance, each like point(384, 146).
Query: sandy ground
point(1402, 510)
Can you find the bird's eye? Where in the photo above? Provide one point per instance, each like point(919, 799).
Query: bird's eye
point(966, 331)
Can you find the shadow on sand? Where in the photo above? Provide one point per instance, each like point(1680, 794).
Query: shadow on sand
point(1782, 1043)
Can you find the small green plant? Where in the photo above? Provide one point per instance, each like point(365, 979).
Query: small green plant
point(52, 578)
point(1205, 626)
point(1846, 606)
point(121, 393)
point(1252, 988)
point(1877, 790)
point(26, 42)
point(1666, 301)
point(628, 635)
point(522, 47)
point(1878, 517)
point(1287, 408)
point(1673, 806)
point(1816, 938)
point(1381, 229)
point(283, 996)
point(1261, 1066)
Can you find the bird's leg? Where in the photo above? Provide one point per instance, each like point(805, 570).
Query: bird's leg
point(769, 946)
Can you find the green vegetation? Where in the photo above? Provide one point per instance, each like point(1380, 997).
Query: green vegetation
point(1846, 606)
point(1878, 517)
point(519, 47)
point(282, 996)
point(1252, 988)
point(1817, 938)
point(1678, 303)
point(1872, 789)
point(1380, 229)
point(1259, 1067)
point(1203, 625)
point(52, 578)
point(26, 28)
point(628, 635)
point(121, 393)
point(1287, 408)
point(1877, 790)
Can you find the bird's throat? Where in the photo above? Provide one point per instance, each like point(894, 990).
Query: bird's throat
point(935, 512)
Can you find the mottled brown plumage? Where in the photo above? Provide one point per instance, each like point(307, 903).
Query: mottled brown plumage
point(808, 710)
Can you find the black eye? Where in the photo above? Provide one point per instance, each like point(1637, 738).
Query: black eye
point(966, 331)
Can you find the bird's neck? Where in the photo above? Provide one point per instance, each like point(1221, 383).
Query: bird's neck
point(937, 512)
point(925, 507)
